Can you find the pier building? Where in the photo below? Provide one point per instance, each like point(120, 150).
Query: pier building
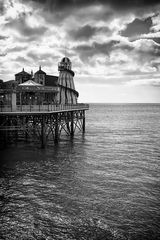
point(40, 106)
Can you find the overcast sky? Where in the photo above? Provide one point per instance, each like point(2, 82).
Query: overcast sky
point(114, 45)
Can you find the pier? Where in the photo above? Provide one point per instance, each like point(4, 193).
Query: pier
point(42, 123)
point(40, 107)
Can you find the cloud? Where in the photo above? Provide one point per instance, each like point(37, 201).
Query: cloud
point(86, 51)
point(16, 49)
point(109, 42)
point(22, 60)
point(2, 7)
point(147, 47)
point(137, 27)
point(155, 82)
point(21, 26)
point(2, 54)
point(83, 33)
point(87, 32)
point(3, 37)
point(116, 4)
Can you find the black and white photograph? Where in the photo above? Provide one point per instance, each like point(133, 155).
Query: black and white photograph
point(79, 120)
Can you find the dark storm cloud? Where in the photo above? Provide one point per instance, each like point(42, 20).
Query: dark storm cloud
point(1, 7)
point(3, 37)
point(157, 40)
point(86, 32)
point(116, 4)
point(130, 4)
point(137, 27)
point(85, 51)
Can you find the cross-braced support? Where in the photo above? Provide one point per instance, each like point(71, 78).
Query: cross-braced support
point(40, 126)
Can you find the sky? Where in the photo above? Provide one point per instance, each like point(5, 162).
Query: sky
point(114, 46)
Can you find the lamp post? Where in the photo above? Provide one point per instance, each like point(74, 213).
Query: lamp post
point(35, 102)
point(30, 99)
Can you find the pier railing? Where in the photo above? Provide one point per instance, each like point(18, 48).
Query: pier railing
point(44, 108)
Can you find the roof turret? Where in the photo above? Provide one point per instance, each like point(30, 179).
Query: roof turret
point(22, 73)
point(40, 71)
point(65, 65)
point(66, 60)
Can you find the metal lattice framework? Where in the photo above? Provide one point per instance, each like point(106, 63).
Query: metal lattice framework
point(41, 127)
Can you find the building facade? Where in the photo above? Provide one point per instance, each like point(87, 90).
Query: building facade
point(40, 88)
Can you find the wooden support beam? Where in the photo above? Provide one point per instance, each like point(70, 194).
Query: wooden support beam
point(41, 125)
point(26, 128)
point(72, 124)
point(43, 134)
point(56, 129)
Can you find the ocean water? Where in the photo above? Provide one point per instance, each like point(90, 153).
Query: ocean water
point(104, 185)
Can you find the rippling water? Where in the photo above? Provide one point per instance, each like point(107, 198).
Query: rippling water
point(104, 185)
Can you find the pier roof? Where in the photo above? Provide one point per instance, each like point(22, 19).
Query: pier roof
point(31, 86)
point(30, 83)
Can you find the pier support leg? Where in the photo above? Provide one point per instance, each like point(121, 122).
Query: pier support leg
point(72, 124)
point(83, 122)
point(43, 136)
point(56, 129)
point(6, 133)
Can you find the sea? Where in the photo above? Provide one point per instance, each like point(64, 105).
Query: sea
point(101, 185)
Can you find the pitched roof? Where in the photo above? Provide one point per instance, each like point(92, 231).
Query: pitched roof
point(51, 80)
point(40, 72)
point(22, 73)
point(30, 83)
